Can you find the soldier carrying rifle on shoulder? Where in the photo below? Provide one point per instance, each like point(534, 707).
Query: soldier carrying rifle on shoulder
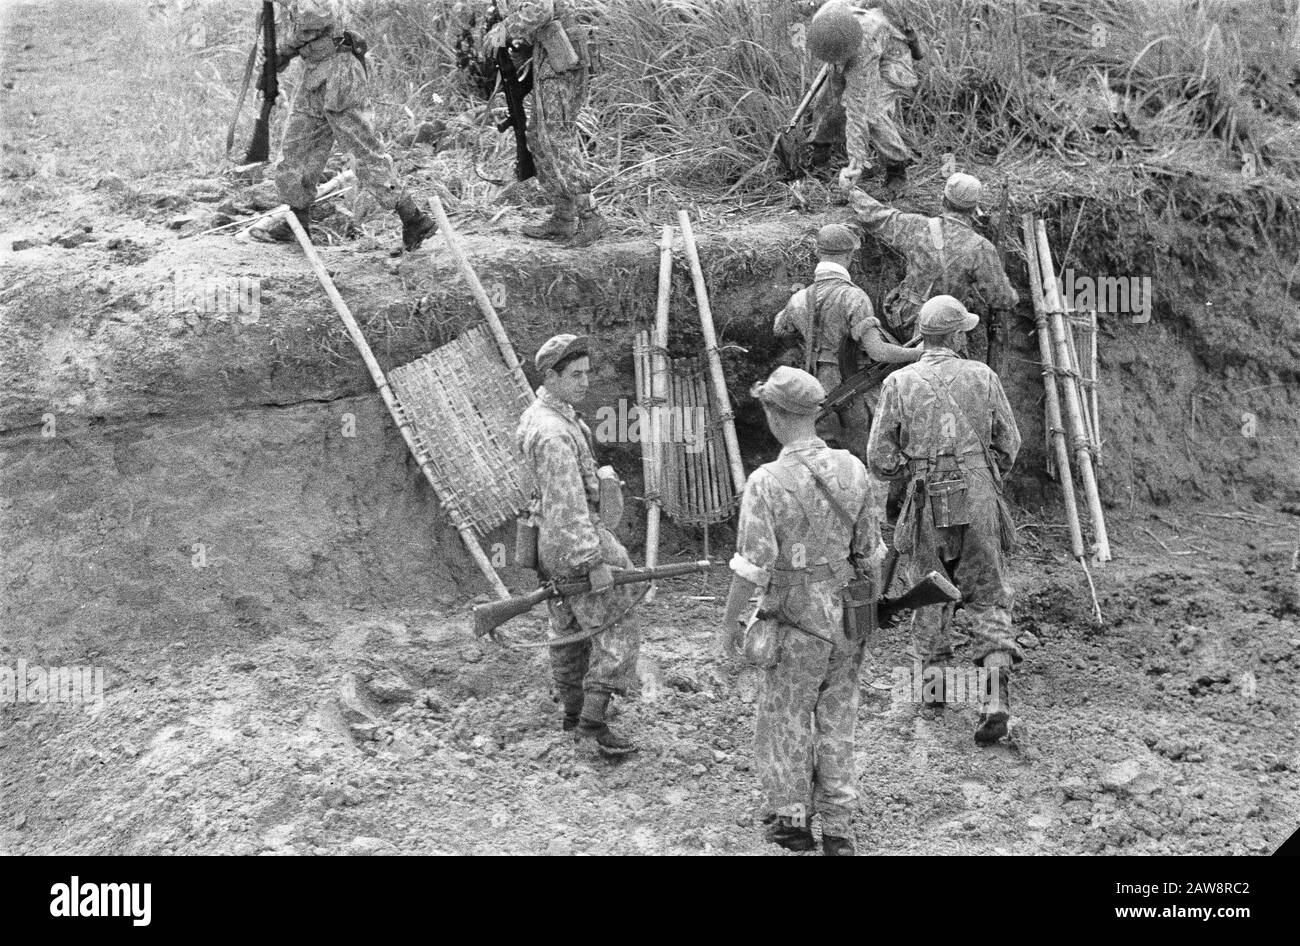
point(332, 105)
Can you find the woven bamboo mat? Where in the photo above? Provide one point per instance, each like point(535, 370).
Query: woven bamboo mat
point(464, 405)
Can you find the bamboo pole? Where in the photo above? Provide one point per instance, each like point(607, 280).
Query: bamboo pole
point(1075, 415)
point(390, 401)
point(725, 415)
point(480, 295)
point(1055, 429)
point(658, 394)
point(1077, 379)
point(1092, 358)
point(709, 452)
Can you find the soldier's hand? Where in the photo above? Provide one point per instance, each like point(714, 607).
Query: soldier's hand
point(850, 176)
point(602, 579)
point(495, 39)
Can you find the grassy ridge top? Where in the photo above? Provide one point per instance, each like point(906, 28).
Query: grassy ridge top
point(1096, 98)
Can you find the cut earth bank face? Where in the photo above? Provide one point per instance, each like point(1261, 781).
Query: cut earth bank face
point(181, 468)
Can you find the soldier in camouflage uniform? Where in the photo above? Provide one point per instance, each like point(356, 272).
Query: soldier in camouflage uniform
point(945, 427)
point(807, 526)
point(573, 542)
point(842, 314)
point(861, 103)
point(561, 62)
point(945, 256)
point(332, 105)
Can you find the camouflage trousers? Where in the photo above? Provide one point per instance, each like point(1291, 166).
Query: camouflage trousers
point(807, 711)
point(970, 555)
point(848, 426)
point(553, 136)
point(880, 108)
point(605, 663)
point(330, 107)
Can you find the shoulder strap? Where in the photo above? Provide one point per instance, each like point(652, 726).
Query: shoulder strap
point(956, 408)
point(813, 342)
point(936, 238)
point(839, 510)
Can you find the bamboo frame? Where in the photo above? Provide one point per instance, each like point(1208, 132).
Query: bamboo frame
point(725, 414)
point(1056, 430)
point(390, 401)
point(476, 289)
point(1074, 413)
point(658, 397)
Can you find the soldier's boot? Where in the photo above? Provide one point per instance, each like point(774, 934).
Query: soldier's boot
point(416, 224)
point(592, 725)
point(834, 846)
point(282, 232)
point(895, 179)
point(793, 837)
point(997, 710)
point(561, 225)
point(591, 225)
point(573, 700)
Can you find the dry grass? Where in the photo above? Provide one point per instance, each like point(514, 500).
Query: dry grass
point(692, 91)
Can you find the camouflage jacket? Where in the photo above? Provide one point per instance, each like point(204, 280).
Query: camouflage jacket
point(309, 31)
point(556, 444)
point(526, 21)
point(944, 255)
point(845, 311)
point(881, 68)
point(788, 532)
point(914, 420)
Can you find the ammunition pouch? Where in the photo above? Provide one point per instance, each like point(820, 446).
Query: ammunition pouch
point(859, 598)
point(566, 44)
point(526, 539)
point(949, 504)
point(610, 502)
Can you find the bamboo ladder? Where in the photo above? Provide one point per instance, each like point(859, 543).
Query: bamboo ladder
point(400, 417)
point(1059, 363)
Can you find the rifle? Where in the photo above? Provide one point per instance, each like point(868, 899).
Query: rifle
point(259, 149)
point(932, 589)
point(864, 380)
point(515, 90)
point(781, 148)
point(488, 617)
point(243, 86)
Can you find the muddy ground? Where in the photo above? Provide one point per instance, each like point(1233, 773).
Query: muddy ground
point(314, 686)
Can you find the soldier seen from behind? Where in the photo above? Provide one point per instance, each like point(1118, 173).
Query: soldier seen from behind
point(945, 428)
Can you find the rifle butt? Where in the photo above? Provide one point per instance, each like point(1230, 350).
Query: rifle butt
point(932, 589)
point(259, 149)
point(488, 617)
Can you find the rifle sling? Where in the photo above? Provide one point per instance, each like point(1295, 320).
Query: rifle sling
point(243, 85)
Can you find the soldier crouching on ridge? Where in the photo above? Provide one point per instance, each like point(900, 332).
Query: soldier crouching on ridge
point(946, 428)
point(574, 541)
point(332, 104)
point(808, 526)
point(871, 50)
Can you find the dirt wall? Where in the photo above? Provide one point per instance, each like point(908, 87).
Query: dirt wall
point(189, 468)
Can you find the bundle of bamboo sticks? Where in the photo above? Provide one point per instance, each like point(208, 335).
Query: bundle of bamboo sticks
point(1064, 382)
